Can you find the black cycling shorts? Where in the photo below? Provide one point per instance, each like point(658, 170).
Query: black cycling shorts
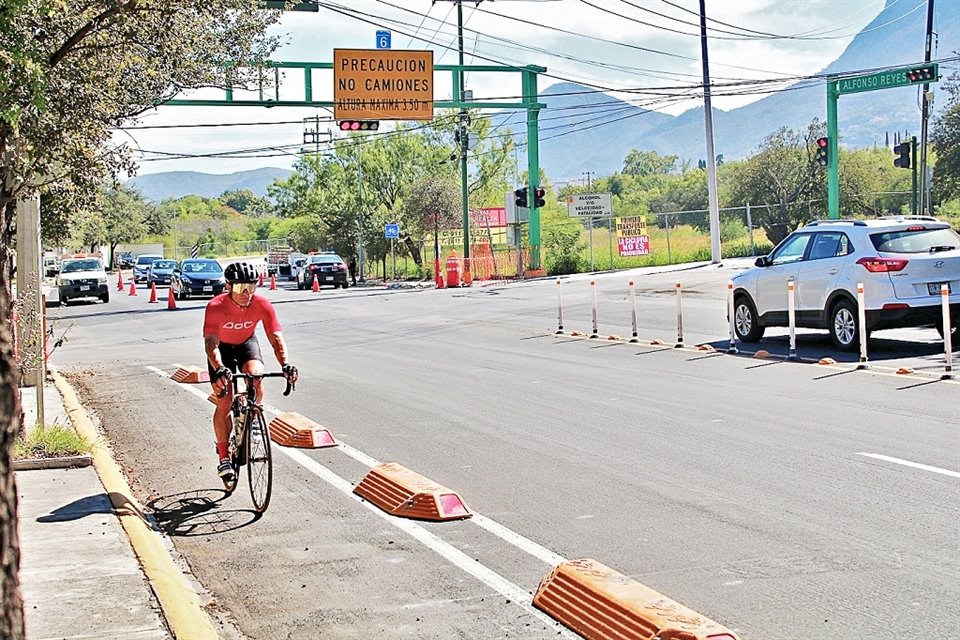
point(235, 356)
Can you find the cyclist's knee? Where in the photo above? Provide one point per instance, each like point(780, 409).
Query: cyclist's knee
point(253, 366)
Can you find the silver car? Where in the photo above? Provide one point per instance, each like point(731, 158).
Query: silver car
point(902, 261)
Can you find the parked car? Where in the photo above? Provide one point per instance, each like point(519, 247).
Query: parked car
point(901, 261)
point(197, 277)
point(82, 278)
point(325, 268)
point(125, 259)
point(50, 266)
point(160, 272)
point(142, 266)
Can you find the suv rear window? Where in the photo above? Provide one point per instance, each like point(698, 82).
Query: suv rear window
point(916, 240)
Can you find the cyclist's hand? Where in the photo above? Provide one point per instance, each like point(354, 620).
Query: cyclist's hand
point(221, 379)
point(291, 373)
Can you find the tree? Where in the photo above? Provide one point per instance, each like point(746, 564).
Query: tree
point(247, 202)
point(783, 173)
point(123, 214)
point(648, 163)
point(945, 139)
point(69, 74)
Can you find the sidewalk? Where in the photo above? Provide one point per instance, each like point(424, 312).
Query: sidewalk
point(79, 577)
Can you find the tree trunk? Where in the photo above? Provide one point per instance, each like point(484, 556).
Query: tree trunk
point(11, 605)
point(415, 253)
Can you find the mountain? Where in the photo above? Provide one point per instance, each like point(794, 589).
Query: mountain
point(583, 131)
point(176, 184)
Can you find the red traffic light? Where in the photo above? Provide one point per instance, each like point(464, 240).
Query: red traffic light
point(359, 125)
point(921, 74)
point(823, 151)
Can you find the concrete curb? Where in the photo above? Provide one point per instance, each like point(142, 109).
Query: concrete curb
point(179, 602)
point(65, 462)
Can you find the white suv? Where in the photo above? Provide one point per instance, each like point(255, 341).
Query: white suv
point(901, 261)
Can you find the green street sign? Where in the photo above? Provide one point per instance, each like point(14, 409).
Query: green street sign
point(903, 77)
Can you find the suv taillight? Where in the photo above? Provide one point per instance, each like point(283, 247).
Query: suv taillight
point(882, 265)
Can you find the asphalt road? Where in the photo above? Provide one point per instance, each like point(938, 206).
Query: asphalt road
point(785, 500)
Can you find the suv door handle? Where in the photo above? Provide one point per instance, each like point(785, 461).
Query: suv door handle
point(833, 272)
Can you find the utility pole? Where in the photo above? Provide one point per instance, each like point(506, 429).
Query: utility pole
point(926, 97)
point(711, 155)
point(464, 147)
point(589, 182)
point(360, 255)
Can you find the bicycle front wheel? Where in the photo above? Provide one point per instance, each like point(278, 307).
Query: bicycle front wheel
point(259, 460)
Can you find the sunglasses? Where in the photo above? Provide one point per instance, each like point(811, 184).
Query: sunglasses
point(243, 287)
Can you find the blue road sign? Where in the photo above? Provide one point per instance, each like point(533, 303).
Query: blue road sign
point(391, 230)
point(383, 39)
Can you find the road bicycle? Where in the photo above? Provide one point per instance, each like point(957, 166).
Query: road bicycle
point(250, 440)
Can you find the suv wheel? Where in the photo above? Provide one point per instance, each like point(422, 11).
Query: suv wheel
point(745, 321)
point(844, 326)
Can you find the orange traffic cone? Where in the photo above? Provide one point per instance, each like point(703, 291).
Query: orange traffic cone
point(153, 292)
point(133, 287)
point(119, 280)
point(273, 282)
point(171, 303)
point(316, 285)
point(260, 284)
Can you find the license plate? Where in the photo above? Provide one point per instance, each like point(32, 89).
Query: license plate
point(328, 277)
point(208, 288)
point(933, 288)
point(85, 288)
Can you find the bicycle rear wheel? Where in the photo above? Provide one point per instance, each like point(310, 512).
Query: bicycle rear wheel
point(259, 460)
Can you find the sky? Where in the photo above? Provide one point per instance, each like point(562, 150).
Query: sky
point(608, 44)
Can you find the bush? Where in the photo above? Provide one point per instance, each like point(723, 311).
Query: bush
point(742, 249)
point(731, 229)
point(51, 442)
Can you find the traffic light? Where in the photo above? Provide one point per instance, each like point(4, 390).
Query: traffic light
point(823, 151)
point(520, 197)
point(358, 125)
point(902, 161)
point(538, 200)
point(925, 73)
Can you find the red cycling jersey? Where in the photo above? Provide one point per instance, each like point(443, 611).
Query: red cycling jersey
point(234, 324)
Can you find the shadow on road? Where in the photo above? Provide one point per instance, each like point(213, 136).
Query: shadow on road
point(198, 513)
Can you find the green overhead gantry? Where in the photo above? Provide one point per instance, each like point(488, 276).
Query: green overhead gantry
point(527, 102)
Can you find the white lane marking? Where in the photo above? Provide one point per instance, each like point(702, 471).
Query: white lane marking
point(915, 465)
point(454, 556)
point(451, 554)
point(524, 544)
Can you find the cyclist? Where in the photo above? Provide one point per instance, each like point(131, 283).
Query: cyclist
point(229, 325)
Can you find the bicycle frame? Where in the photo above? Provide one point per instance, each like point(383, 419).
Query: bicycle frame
point(245, 447)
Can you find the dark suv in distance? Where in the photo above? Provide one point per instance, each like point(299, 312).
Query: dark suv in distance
point(325, 268)
point(197, 277)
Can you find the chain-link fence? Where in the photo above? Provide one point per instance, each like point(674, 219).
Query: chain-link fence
point(590, 244)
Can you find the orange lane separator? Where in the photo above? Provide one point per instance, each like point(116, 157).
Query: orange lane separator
point(294, 430)
point(402, 492)
point(190, 375)
point(602, 604)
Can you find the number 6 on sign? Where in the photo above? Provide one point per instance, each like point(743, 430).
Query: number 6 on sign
point(383, 39)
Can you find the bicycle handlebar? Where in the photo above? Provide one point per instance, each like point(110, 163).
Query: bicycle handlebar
point(250, 377)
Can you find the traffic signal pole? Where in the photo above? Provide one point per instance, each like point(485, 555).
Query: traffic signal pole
point(833, 159)
point(886, 79)
point(529, 88)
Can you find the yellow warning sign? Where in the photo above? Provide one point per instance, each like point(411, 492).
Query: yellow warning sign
point(382, 84)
